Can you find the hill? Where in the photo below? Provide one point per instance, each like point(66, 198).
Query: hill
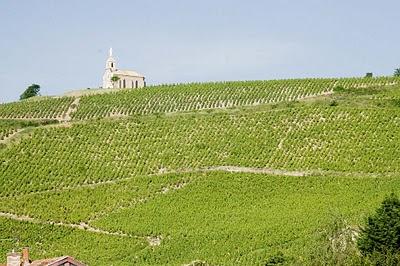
point(222, 173)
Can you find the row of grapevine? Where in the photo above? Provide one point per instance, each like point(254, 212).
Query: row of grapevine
point(307, 138)
point(367, 82)
point(243, 219)
point(8, 127)
point(50, 241)
point(220, 218)
point(184, 97)
point(199, 96)
point(48, 108)
point(85, 203)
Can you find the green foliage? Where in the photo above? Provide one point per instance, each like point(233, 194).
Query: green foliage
point(339, 89)
point(335, 244)
point(49, 241)
point(31, 91)
point(277, 259)
point(221, 218)
point(219, 95)
point(8, 127)
point(369, 75)
point(87, 202)
point(381, 234)
point(48, 108)
point(112, 174)
point(397, 72)
point(246, 219)
point(115, 78)
point(338, 139)
point(333, 103)
point(395, 102)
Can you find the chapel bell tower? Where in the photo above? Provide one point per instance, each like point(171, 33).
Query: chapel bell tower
point(111, 64)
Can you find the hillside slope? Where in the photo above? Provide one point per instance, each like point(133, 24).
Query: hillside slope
point(157, 180)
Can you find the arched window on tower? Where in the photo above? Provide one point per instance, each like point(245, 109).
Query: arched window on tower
point(112, 65)
point(136, 83)
point(124, 83)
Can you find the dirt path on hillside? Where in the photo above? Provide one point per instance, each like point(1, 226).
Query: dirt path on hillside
point(166, 189)
point(21, 131)
point(71, 109)
point(81, 226)
point(151, 240)
point(269, 171)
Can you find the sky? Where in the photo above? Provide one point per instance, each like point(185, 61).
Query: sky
point(62, 45)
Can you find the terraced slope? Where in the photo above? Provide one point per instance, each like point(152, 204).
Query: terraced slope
point(158, 188)
point(220, 218)
point(181, 98)
point(9, 128)
point(47, 108)
point(306, 139)
point(200, 96)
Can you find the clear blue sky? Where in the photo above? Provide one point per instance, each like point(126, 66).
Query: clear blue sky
point(62, 45)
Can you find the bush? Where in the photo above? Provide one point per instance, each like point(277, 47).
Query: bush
point(381, 236)
point(277, 259)
point(339, 89)
point(333, 103)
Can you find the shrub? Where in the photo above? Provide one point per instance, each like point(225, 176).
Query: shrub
point(277, 259)
point(339, 89)
point(333, 103)
point(380, 239)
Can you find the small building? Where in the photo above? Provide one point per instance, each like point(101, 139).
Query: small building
point(116, 78)
point(15, 259)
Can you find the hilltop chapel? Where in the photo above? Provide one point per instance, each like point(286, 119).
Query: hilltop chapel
point(119, 79)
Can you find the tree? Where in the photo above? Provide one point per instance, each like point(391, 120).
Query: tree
point(381, 235)
point(397, 72)
point(31, 91)
point(114, 79)
point(369, 75)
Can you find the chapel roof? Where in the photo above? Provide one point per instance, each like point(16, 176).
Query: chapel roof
point(56, 261)
point(128, 73)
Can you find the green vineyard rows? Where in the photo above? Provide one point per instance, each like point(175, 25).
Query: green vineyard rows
point(220, 218)
point(184, 97)
point(48, 108)
point(8, 127)
point(46, 241)
point(307, 138)
point(141, 185)
point(200, 96)
point(81, 204)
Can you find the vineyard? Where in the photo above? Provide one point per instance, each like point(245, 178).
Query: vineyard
point(184, 98)
point(151, 189)
point(241, 219)
point(48, 108)
point(201, 96)
point(9, 127)
point(309, 138)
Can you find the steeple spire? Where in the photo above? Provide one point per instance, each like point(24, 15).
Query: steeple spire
point(111, 64)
